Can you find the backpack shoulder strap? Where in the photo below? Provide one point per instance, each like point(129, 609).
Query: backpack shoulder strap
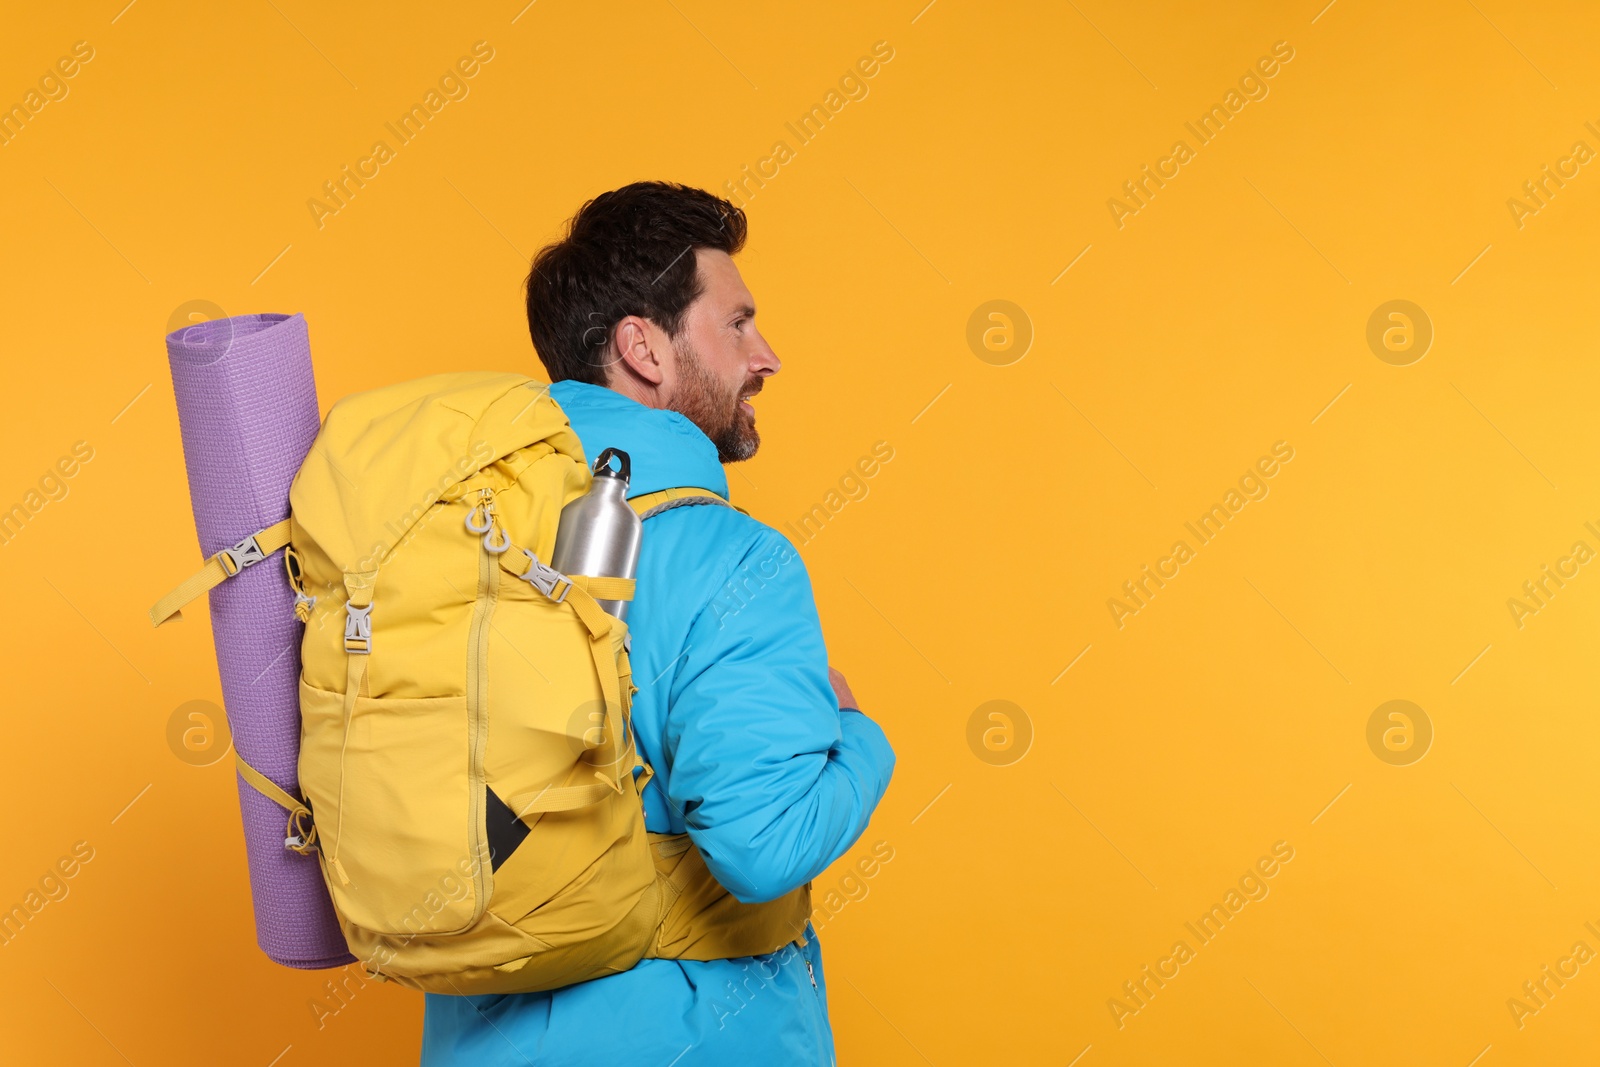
point(650, 504)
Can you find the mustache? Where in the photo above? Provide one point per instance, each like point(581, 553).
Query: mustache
point(752, 388)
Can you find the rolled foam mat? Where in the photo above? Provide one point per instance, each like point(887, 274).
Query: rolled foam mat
point(247, 407)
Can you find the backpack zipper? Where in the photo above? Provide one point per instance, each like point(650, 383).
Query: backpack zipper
point(477, 698)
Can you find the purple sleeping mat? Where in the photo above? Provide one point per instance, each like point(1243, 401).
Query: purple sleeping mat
point(247, 406)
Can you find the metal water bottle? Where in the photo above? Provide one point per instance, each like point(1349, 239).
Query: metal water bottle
point(599, 532)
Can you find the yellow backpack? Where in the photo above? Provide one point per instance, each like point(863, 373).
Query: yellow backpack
point(466, 754)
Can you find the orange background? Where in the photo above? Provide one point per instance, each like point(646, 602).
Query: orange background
point(1228, 314)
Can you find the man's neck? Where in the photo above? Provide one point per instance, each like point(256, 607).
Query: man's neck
point(634, 389)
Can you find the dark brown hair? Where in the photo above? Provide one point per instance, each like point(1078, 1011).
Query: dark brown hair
point(626, 252)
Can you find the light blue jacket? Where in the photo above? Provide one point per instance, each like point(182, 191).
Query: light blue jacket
point(754, 759)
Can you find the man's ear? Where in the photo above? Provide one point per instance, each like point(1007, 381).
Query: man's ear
point(634, 352)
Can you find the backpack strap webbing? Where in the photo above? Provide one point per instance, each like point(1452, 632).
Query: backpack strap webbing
point(649, 504)
point(301, 835)
point(603, 587)
point(220, 567)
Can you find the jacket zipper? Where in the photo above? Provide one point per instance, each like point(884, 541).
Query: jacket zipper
point(477, 705)
point(823, 1050)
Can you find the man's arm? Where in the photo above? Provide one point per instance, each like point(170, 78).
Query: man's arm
point(772, 781)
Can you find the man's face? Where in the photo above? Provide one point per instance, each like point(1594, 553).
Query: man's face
point(721, 360)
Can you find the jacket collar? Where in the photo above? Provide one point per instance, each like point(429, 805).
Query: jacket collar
point(664, 447)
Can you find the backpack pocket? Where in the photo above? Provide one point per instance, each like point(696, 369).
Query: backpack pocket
point(392, 795)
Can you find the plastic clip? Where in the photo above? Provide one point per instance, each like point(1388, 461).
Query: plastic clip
point(545, 578)
point(241, 555)
point(357, 629)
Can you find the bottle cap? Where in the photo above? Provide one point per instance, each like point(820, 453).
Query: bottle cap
point(603, 468)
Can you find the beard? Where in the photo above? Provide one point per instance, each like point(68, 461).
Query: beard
point(715, 408)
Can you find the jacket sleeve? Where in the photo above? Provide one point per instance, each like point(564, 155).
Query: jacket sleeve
point(772, 782)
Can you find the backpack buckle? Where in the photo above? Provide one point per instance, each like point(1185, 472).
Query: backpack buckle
point(241, 555)
point(546, 578)
point(357, 629)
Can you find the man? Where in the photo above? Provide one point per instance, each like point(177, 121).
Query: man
point(648, 333)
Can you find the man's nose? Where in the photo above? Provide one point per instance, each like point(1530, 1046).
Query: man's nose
point(766, 361)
